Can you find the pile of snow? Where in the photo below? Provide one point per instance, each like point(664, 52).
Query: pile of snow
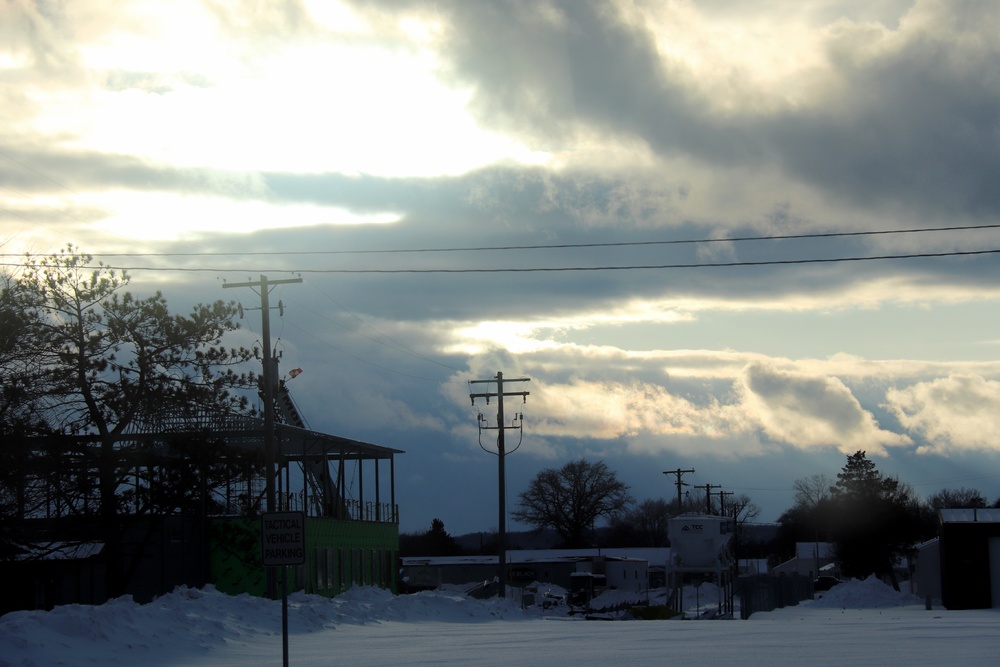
point(195, 622)
point(202, 627)
point(870, 593)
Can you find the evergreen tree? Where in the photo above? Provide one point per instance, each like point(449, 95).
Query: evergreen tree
point(875, 519)
point(107, 361)
point(434, 542)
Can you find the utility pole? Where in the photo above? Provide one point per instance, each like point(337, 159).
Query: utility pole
point(708, 495)
point(722, 501)
point(680, 473)
point(502, 523)
point(263, 287)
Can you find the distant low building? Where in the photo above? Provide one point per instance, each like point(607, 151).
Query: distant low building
point(812, 559)
point(624, 569)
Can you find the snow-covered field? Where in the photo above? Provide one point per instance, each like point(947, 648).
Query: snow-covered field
point(856, 623)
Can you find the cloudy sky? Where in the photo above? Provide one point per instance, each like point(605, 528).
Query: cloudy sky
point(664, 213)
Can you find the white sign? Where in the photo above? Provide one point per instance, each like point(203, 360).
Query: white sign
point(282, 539)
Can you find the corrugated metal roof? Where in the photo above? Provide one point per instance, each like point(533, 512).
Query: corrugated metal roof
point(973, 515)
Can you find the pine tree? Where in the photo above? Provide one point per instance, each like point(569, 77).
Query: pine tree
point(107, 361)
point(875, 519)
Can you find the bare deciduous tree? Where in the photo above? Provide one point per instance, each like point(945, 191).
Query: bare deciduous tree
point(571, 499)
point(644, 525)
point(962, 498)
point(813, 490)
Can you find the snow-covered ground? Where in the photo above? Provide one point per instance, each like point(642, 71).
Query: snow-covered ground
point(856, 623)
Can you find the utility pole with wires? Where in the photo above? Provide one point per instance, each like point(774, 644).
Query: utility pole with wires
point(680, 473)
point(500, 427)
point(708, 495)
point(263, 287)
point(722, 501)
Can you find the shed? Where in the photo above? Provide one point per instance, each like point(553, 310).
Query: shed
point(970, 558)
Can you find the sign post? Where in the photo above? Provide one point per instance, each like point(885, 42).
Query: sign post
point(283, 543)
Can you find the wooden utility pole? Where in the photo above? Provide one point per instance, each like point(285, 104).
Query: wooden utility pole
point(722, 501)
point(263, 287)
point(708, 495)
point(502, 522)
point(680, 473)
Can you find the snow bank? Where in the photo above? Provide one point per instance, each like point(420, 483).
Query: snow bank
point(205, 628)
point(870, 593)
point(190, 623)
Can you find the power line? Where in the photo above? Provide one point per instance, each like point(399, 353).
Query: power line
point(543, 269)
point(669, 266)
point(551, 246)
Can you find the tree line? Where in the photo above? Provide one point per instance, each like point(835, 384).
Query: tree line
point(873, 520)
point(584, 504)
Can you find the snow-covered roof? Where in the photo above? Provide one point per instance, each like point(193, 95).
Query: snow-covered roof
point(974, 515)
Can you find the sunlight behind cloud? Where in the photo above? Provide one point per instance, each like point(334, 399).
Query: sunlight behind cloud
point(155, 216)
point(335, 15)
point(739, 65)
point(536, 335)
point(315, 108)
point(610, 410)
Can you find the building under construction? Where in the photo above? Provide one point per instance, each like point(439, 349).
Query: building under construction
point(190, 493)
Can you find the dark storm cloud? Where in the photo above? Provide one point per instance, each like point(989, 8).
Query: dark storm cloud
point(913, 121)
point(491, 207)
point(921, 125)
point(541, 68)
point(496, 206)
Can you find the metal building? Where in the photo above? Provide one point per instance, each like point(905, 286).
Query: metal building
point(969, 543)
